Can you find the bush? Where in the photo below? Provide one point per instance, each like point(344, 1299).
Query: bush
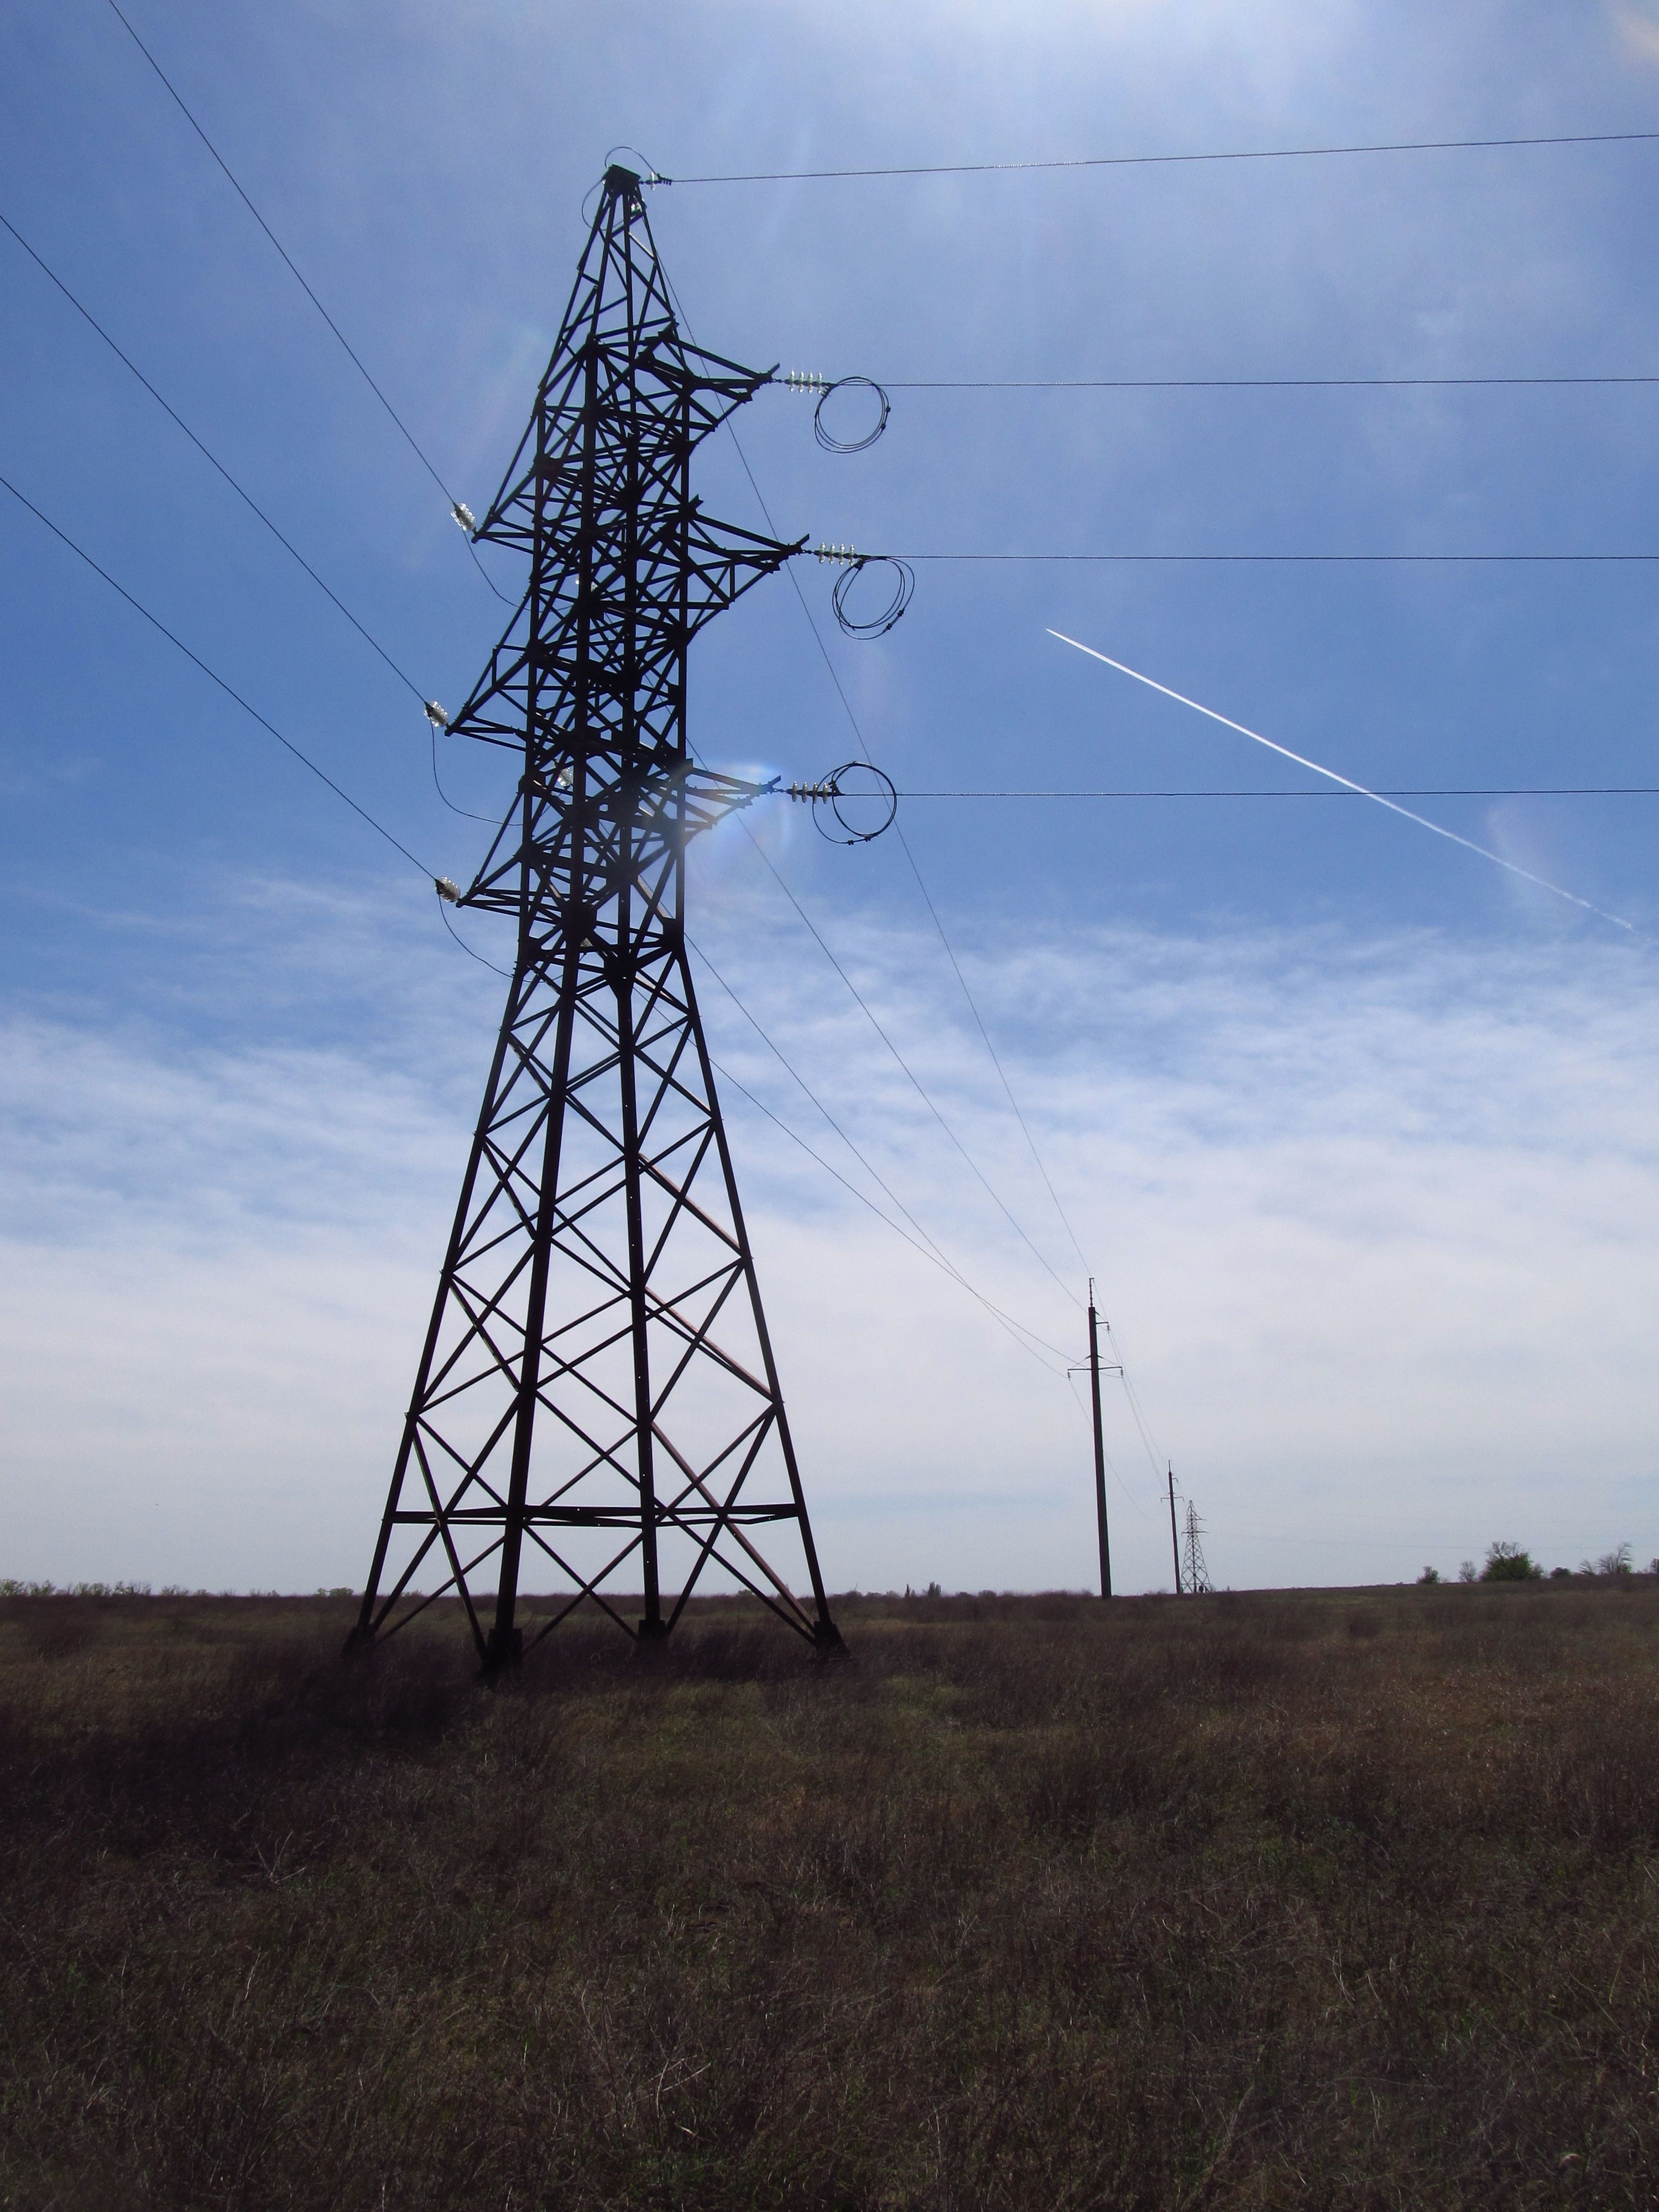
point(1429, 1574)
point(1508, 1562)
point(1615, 1562)
point(1467, 1572)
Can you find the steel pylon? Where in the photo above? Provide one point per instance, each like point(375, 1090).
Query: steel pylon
point(597, 1394)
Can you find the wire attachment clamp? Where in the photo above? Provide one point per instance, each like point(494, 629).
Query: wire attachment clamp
point(867, 796)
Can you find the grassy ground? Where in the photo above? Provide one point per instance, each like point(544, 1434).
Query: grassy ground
point(1240, 1901)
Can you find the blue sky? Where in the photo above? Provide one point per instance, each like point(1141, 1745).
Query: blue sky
point(1355, 1127)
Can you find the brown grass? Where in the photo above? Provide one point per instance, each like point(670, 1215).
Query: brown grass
point(1278, 1900)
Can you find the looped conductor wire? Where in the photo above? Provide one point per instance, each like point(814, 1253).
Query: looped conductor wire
point(878, 624)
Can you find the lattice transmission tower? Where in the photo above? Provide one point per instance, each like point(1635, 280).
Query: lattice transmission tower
point(597, 1382)
point(1194, 1573)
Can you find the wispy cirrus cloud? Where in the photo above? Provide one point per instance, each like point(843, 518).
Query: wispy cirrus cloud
point(1636, 22)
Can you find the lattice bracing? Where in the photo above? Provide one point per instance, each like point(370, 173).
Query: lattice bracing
point(597, 1401)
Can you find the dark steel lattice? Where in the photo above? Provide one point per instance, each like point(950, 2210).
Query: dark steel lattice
point(598, 1382)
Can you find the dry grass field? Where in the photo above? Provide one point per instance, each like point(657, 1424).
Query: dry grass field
point(1337, 1901)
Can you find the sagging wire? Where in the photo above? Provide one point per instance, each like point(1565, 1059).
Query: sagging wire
point(916, 1081)
point(505, 598)
point(776, 1050)
point(1238, 383)
point(870, 1015)
point(438, 720)
point(1164, 160)
point(1325, 791)
point(846, 705)
point(213, 676)
point(847, 553)
point(801, 380)
point(956, 967)
point(456, 507)
point(1147, 1439)
point(468, 523)
point(1296, 560)
point(1111, 1463)
point(444, 904)
point(213, 462)
point(928, 1246)
point(1012, 1327)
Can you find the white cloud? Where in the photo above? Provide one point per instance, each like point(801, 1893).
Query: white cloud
point(1637, 25)
point(1376, 1222)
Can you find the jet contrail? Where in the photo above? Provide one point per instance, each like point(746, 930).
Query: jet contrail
point(1348, 784)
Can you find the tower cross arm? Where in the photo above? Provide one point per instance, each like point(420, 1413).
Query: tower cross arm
point(707, 797)
point(668, 379)
point(714, 386)
point(668, 809)
point(493, 711)
point(723, 561)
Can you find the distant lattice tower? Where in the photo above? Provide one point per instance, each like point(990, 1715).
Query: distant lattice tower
point(1195, 1575)
point(597, 1387)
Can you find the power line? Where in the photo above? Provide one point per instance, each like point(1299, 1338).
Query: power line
point(929, 1247)
point(443, 915)
point(247, 499)
point(851, 717)
point(778, 1053)
point(950, 954)
point(922, 1092)
point(240, 490)
point(287, 258)
point(1111, 1464)
point(726, 1077)
point(1160, 160)
point(1291, 559)
point(922, 1242)
point(1459, 790)
point(437, 782)
point(1130, 1393)
point(154, 622)
point(455, 506)
point(996, 1061)
point(1236, 383)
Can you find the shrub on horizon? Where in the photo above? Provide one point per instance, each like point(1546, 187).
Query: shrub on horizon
point(1468, 1571)
point(1508, 1562)
point(1616, 1562)
point(1428, 1575)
